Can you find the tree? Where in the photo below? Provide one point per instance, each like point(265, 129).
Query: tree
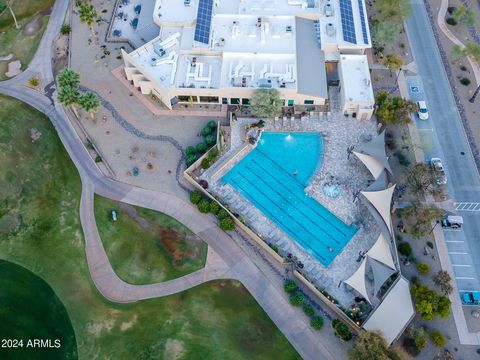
point(421, 180)
point(227, 224)
point(88, 15)
point(214, 207)
point(195, 197)
point(438, 338)
point(371, 345)
point(90, 103)
point(9, 4)
point(464, 15)
point(443, 280)
point(297, 299)
point(472, 49)
point(316, 322)
point(393, 109)
point(385, 32)
point(404, 248)
point(290, 286)
point(68, 77)
point(421, 217)
point(203, 206)
point(265, 103)
point(309, 310)
point(393, 10)
point(429, 303)
point(392, 62)
point(223, 214)
point(341, 330)
point(69, 96)
point(419, 336)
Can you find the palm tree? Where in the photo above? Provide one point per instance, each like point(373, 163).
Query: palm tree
point(69, 96)
point(68, 77)
point(90, 103)
point(9, 4)
point(88, 15)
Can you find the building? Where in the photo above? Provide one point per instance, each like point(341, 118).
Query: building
point(221, 51)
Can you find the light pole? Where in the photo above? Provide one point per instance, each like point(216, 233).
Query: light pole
point(474, 96)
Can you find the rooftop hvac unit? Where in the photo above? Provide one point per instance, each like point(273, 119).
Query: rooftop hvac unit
point(265, 83)
point(328, 9)
point(330, 29)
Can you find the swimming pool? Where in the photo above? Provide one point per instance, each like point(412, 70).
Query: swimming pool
point(273, 177)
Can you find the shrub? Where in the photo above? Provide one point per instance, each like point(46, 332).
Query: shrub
point(297, 299)
point(195, 197)
point(430, 244)
point(214, 207)
point(222, 214)
point(190, 150)
point(65, 30)
point(423, 268)
point(451, 21)
point(405, 249)
point(190, 159)
point(341, 330)
point(227, 224)
point(465, 81)
point(201, 147)
point(205, 164)
point(204, 206)
point(403, 160)
point(206, 131)
point(438, 338)
point(290, 286)
point(98, 159)
point(210, 140)
point(212, 155)
point(463, 68)
point(34, 81)
point(212, 124)
point(317, 323)
point(309, 310)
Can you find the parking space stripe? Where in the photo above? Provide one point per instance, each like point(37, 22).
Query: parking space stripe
point(459, 265)
point(465, 278)
point(454, 241)
point(458, 253)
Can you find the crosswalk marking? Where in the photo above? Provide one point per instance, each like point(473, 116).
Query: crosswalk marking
point(467, 206)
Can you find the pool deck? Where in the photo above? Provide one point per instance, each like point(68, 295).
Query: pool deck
point(337, 167)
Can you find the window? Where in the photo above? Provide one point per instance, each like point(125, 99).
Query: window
point(245, 101)
point(281, 102)
point(224, 101)
point(187, 98)
point(209, 99)
point(235, 101)
point(290, 103)
point(308, 102)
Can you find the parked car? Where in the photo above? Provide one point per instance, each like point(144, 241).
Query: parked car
point(451, 221)
point(471, 298)
point(439, 171)
point(422, 110)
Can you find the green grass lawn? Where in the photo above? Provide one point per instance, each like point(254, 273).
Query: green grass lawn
point(29, 310)
point(13, 40)
point(146, 246)
point(40, 230)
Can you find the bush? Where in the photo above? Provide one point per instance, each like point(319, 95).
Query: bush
point(195, 197)
point(212, 155)
point(403, 160)
point(190, 150)
point(438, 338)
point(297, 299)
point(290, 286)
point(309, 310)
point(206, 131)
point(212, 124)
point(317, 323)
point(98, 159)
point(210, 140)
point(405, 249)
point(214, 207)
point(34, 81)
point(222, 214)
point(227, 224)
point(65, 29)
point(423, 268)
point(190, 159)
point(201, 147)
point(451, 21)
point(341, 330)
point(204, 206)
point(465, 81)
point(205, 164)
point(430, 244)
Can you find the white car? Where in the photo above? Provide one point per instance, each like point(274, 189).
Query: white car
point(439, 171)
point(422, 110)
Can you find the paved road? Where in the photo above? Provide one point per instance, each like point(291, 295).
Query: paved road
point(293, 324)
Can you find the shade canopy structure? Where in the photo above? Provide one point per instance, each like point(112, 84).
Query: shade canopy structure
point(376, 149)
point(357, 280)
point(380, 183)
point(381, 201)
point(381, 252)
point(381, 273)
point(394, 313)
point(373, 165)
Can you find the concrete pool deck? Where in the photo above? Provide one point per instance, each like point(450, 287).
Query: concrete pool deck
point(346, 170)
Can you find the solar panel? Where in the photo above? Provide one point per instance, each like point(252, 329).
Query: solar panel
point(204, 21)
point(364, 23)
point(348, 26)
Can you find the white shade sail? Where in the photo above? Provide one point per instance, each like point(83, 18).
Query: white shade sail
point(357, 280)
point(371, 163)
point(381, 252)
point(381, 201)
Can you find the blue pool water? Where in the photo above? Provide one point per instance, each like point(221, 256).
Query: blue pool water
point(273, 177)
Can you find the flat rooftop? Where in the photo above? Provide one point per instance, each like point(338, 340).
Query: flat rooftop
point(355, 78)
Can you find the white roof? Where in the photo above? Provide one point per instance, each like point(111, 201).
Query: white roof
point(355, 79)
point(372, 164)
point(357, 280)
point(381, 252)
point(381, 201)
point(394, 313)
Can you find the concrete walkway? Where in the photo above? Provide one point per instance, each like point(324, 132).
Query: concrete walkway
point(232, 262)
